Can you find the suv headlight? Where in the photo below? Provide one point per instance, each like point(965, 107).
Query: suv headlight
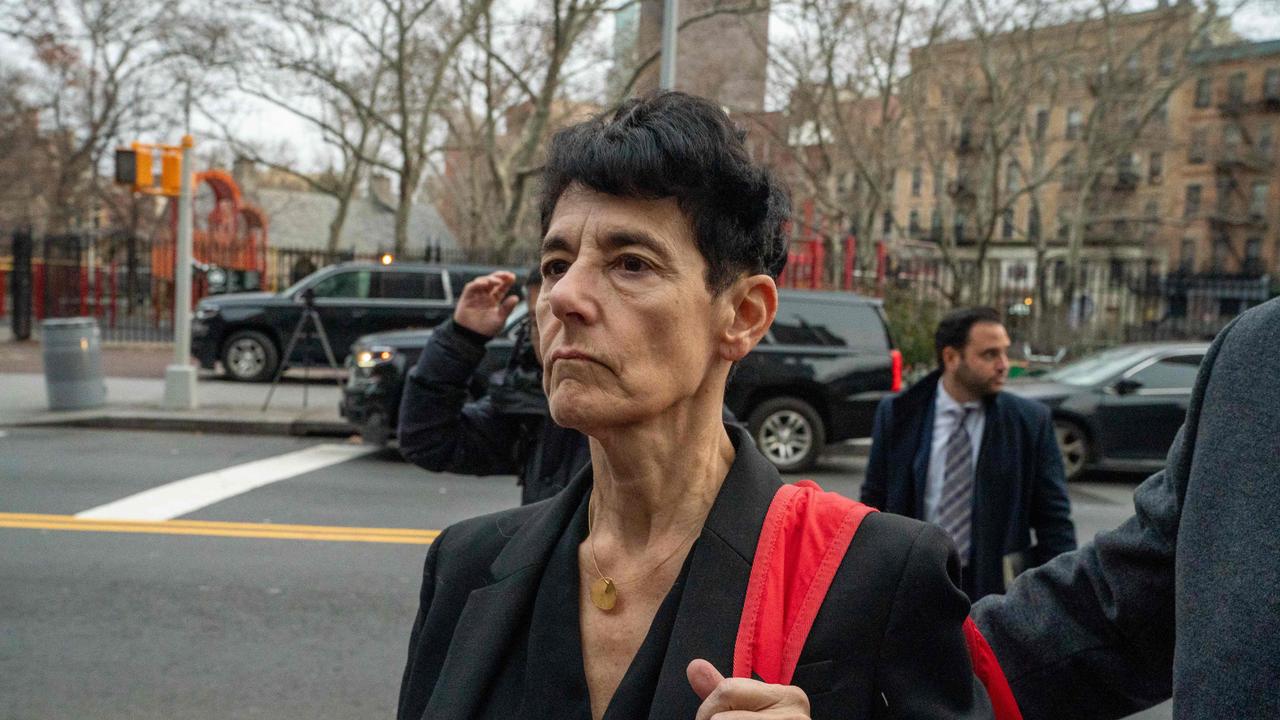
point(374, 356)
point(205, 312)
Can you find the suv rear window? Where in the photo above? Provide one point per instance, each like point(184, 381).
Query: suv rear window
point(410, 285)
point(857, 327)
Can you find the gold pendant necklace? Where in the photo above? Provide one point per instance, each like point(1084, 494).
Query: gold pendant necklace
point(604, 589)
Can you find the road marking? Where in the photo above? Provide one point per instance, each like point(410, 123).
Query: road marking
point(186, 496)
point(270, 531)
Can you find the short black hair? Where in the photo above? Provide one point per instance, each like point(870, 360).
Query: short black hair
point(672, 144)
point(953, 329)
point(534, 278)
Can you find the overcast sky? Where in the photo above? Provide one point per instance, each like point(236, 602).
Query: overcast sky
point(279, 128)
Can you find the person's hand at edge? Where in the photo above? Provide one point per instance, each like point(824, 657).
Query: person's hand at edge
point(484, 305)
point(743, 699)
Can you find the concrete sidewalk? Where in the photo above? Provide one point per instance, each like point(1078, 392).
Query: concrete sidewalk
point(135, 394)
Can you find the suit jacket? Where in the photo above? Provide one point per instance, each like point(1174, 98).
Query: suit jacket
point(887, 642)
point(1183, 599)
point(1019, 482)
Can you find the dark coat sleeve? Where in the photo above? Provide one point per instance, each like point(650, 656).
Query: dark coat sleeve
point(1090, 634)
point(1050, 506)
point(925, 671)
point(875, 486)
point(439, 430)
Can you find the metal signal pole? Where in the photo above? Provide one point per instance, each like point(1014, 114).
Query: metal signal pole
point(180, 377)
point(670, 21)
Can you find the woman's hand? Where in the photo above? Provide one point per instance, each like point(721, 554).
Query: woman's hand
point(484, 304)
point(743, 699)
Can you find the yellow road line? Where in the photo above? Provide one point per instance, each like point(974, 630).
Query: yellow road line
point(330, 533)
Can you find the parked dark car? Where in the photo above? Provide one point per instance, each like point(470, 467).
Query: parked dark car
point(1118, 409)
point(815, 379)
point(247, 332)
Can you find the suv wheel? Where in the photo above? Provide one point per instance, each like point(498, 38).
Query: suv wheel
point(789, 432)
point(250, 356)
point(1074, 446)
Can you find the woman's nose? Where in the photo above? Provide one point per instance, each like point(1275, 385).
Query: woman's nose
point(572, 297)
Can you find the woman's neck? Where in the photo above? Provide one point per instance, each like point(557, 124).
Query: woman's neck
point(659, 480)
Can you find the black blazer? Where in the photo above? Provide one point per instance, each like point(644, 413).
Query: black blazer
point(887, 642)
point(1020, 484)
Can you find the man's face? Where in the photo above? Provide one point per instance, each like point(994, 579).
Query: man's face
point(628, 327)
point(983, 365)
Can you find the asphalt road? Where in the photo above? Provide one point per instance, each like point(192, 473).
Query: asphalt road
point(215, 620)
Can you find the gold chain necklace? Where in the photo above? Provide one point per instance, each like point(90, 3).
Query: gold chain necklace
point(604, 589)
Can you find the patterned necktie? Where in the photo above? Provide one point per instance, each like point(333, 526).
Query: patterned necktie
point(955, 509)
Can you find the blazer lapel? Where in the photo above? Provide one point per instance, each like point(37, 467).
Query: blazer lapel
point(920, 463)
point(706, 624)
point(494, 613)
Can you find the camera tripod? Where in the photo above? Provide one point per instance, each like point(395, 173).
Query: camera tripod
point(310, 320)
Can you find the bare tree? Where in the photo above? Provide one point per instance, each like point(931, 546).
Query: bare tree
point(99, 77)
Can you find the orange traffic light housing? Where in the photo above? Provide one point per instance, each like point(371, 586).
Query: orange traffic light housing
point(171, 172)
point(136, 166)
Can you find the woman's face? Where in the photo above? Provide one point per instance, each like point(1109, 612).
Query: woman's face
point(627, 325)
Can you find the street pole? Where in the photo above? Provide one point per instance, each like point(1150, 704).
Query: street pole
point(180, 377)
point(670, 21)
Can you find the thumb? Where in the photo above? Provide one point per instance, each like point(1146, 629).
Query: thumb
point(703, 677)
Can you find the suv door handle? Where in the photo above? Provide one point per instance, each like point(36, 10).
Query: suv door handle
point(357, 313)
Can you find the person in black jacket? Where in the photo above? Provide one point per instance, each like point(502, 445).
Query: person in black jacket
point(508, 430)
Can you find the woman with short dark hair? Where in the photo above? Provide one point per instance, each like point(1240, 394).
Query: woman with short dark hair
point(621, 597)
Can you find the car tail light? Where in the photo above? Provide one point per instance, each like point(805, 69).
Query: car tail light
point(895, 357)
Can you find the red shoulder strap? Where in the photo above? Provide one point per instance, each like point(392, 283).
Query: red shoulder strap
point(805, 536)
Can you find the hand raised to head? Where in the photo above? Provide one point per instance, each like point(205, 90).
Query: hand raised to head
point(484, 304)
point(742, 698)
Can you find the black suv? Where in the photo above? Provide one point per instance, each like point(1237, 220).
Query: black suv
point(815, 379)
point(248, 332)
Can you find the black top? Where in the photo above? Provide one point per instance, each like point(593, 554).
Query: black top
point(554, 686)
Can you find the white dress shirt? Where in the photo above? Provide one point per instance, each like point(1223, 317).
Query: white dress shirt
point(946, 413)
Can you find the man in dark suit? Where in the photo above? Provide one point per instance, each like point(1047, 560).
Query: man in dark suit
point(982, 464)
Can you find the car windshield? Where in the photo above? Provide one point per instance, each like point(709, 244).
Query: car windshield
point(1095, 369)
point(517, 314)
point(294, 288)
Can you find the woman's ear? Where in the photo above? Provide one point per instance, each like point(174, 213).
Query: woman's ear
point(753, 303)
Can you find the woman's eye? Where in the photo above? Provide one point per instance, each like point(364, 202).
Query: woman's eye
point(634, 264)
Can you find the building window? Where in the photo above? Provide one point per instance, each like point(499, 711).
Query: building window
point(1187, 260)
point(939, 185)
point(1033, 223)
point(1231, 137)
point(1271, 85)
point(887, 220)
point(1012, 177)
point(1235, 89)
point(1204, 92)
point(1162, 112)
point(1225, 187)
point(1155, 168)
point(935, 225)
point(1258, 199)
point(892, 181)
point(1166, 60)
point(917, 179)
point(1042, 124)
point(959, 228)
point(1133, 64)
point(1221, 253)
point(1075, 121)
point(1253, 256)
point(1191, 207)
point(1006, 224)
point(913, 224)
point(1264, 140)
point(1196, 152)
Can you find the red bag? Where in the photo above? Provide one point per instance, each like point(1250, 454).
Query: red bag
point(805, 535)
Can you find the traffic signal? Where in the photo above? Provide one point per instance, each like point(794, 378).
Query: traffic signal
point(133, 167)
point(171, 172)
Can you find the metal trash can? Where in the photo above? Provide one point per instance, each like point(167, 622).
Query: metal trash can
point(73, 363)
